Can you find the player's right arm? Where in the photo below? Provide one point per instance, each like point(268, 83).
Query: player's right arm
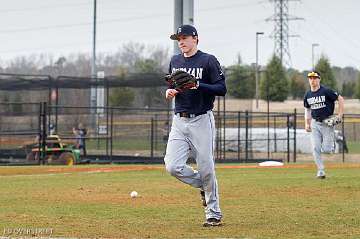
point(307, 119)
point(170, 93)
point(307, 115)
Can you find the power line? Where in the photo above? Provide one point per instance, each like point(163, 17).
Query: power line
point(85, 24)
point(126, 19)
point(40, 8)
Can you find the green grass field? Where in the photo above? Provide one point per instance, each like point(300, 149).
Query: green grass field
point(354, 147)
point(256, 202)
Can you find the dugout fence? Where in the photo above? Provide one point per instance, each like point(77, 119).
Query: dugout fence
point(139, 135)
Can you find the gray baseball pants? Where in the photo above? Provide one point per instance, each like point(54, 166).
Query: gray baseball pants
point(195, 137)
point(323, 140)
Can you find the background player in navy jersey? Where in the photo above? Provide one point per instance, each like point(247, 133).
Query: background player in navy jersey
point(193, 128)
point(319, 103)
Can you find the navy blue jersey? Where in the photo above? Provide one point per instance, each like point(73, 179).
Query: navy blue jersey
point(206, 69)
point(321, 102)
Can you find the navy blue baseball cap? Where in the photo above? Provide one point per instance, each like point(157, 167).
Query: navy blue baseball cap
point(185, 30)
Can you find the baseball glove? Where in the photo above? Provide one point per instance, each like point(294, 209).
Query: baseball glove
point(333, 120)
point(181, 81)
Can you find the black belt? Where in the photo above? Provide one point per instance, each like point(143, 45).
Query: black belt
point(319, 120)
point(189, 115)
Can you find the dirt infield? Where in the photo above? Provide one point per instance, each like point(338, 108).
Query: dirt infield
point(35, 170)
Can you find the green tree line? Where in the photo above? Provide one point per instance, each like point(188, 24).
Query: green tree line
point(278, 84)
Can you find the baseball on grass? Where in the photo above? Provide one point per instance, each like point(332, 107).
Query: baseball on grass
point(133, 194)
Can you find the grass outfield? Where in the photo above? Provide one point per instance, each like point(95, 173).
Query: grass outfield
point(93, 201)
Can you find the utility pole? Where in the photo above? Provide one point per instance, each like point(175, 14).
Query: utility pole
point(281, 34)
point(257, 70)
point(312, 54)
point(183, 14)
point(93, 90)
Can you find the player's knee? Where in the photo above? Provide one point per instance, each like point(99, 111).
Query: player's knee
point(316, 149)
point(206, 175)
point(172, 169)
point(328, 149)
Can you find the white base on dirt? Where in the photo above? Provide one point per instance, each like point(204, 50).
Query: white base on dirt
point(270, 164)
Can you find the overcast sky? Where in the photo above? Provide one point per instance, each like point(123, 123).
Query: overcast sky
point(226, 28)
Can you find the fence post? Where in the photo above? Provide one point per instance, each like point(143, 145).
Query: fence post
point(107, 132)
point(275, 141)
point(268, 134)
point(288, 137)
point(343, 135)
point(43, 141)
point(111, 133)
point(246, 135)
point(218, 129)
point(56, 109)
point(224, 135)
point(238, 143)
point(38, 156)
point(155, 131)
point(295, 126)
point(152, 138)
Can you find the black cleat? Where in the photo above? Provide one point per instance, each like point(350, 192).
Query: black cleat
point(212, 222)
point(202, 195)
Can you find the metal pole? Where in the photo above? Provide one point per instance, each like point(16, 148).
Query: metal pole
point(295, 125)
point(111, 133)
point(188, 12)
point(268, 118)
point(56, 110)
point(152, 139)
point(312, 54)
point(218, 129)
point(343, 135)
point(246, 135)
point(238, 148)
point(178, 21)
point(93, 93)
point(275, 143)
point(224, 135)
point(155, 131)
point(288, 137)
point(257, 69)
point(43, 140)
point(107, 118)
point(38, 156)
point(49, 111)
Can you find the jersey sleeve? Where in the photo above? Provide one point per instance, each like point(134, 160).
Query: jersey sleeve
point(333, 95)
point(306, 104)
point(216, 80)
point(215, 70)
point(169, 69)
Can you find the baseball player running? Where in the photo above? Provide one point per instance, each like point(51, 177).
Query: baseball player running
point(193, 128)
point(319, 103)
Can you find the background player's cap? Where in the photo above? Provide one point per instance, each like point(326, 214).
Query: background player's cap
point(314, 74)
point(186, 30)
